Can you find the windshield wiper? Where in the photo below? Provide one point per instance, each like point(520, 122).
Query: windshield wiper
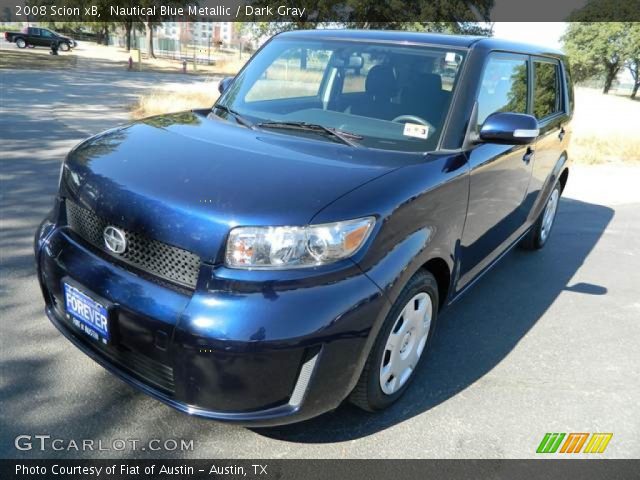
point(345, 137)
point(238, 118)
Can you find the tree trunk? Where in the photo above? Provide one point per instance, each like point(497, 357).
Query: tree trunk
point(635, 89)
point(106, 35)
point(612, 71)
point(127, 27)
point(149, 25)
point(303, 59)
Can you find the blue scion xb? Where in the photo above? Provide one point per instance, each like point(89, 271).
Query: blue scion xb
point(263, 260)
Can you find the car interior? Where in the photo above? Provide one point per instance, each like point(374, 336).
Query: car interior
point(372, 92)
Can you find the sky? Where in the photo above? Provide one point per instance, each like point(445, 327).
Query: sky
point(545, 34)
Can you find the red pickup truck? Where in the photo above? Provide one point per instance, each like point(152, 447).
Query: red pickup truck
point(39, 37)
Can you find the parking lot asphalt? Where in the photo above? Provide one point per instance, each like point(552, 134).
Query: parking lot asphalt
point(545, 342)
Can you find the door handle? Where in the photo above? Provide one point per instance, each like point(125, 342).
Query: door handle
point(561, 134)
point(528, 155)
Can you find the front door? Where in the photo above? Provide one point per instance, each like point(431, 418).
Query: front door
point(500, 174)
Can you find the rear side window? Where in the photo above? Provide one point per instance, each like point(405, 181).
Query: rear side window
point(503, 87)
point(546, 91)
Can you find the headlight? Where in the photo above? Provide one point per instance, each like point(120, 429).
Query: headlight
point(296, 247)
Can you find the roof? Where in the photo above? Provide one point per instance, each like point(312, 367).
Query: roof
point(402, 36)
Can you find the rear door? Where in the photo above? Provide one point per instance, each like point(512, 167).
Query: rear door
point(500, 174)
point(550, 107)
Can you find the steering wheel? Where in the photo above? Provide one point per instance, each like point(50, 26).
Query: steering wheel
point(413, 118)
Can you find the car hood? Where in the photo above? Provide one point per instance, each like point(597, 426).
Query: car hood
point(187, 178)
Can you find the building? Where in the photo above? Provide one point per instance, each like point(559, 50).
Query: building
point(198, 32)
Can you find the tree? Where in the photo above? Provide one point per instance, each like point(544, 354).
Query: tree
point(150, 25)
point(6, 14)
point(151, 21)
point(461, 28)
point(634, 65)
point(633, 62)
point(454, 16)
point(597, 48)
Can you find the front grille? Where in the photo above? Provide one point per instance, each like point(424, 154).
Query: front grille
point(166, 262)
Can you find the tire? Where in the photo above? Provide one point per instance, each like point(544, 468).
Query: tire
point(21, 43)
point(64, 46)
point(541, 230)
point(392, 364)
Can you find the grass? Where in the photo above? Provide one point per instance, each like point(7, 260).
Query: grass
point(604, 129)
point(168, 101)
point(35, 59)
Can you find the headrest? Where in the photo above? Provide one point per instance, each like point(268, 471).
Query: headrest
point(431, 82)
point(381, 81)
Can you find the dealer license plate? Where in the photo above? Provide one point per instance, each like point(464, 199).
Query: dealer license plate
point(86, 314)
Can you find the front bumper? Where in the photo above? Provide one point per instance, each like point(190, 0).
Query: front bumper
point(258, 357)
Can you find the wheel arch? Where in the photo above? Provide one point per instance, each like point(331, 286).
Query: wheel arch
point(439, 268)
point(564, 176)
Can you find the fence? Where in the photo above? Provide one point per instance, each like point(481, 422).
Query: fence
point(205, 52)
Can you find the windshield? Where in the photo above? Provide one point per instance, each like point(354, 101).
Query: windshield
point(392, 97)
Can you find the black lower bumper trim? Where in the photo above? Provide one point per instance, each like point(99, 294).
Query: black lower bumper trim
point(268, 417)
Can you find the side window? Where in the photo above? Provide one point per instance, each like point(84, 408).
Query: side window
point(34, 31)
point(46, 33)
point(503, 87)
point(546, 92)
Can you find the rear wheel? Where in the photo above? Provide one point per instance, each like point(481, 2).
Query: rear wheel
point(539, 233)
point(21, 43)
point(400, 345)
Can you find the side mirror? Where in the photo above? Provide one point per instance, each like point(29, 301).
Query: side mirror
point(223, 85)
point(509, 128)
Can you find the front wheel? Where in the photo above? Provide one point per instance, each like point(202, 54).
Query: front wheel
point(400, 345)
point(64, 47)
point(539, 233)
point(21, 43)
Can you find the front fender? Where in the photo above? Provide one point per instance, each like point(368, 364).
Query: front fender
point(421, 209)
